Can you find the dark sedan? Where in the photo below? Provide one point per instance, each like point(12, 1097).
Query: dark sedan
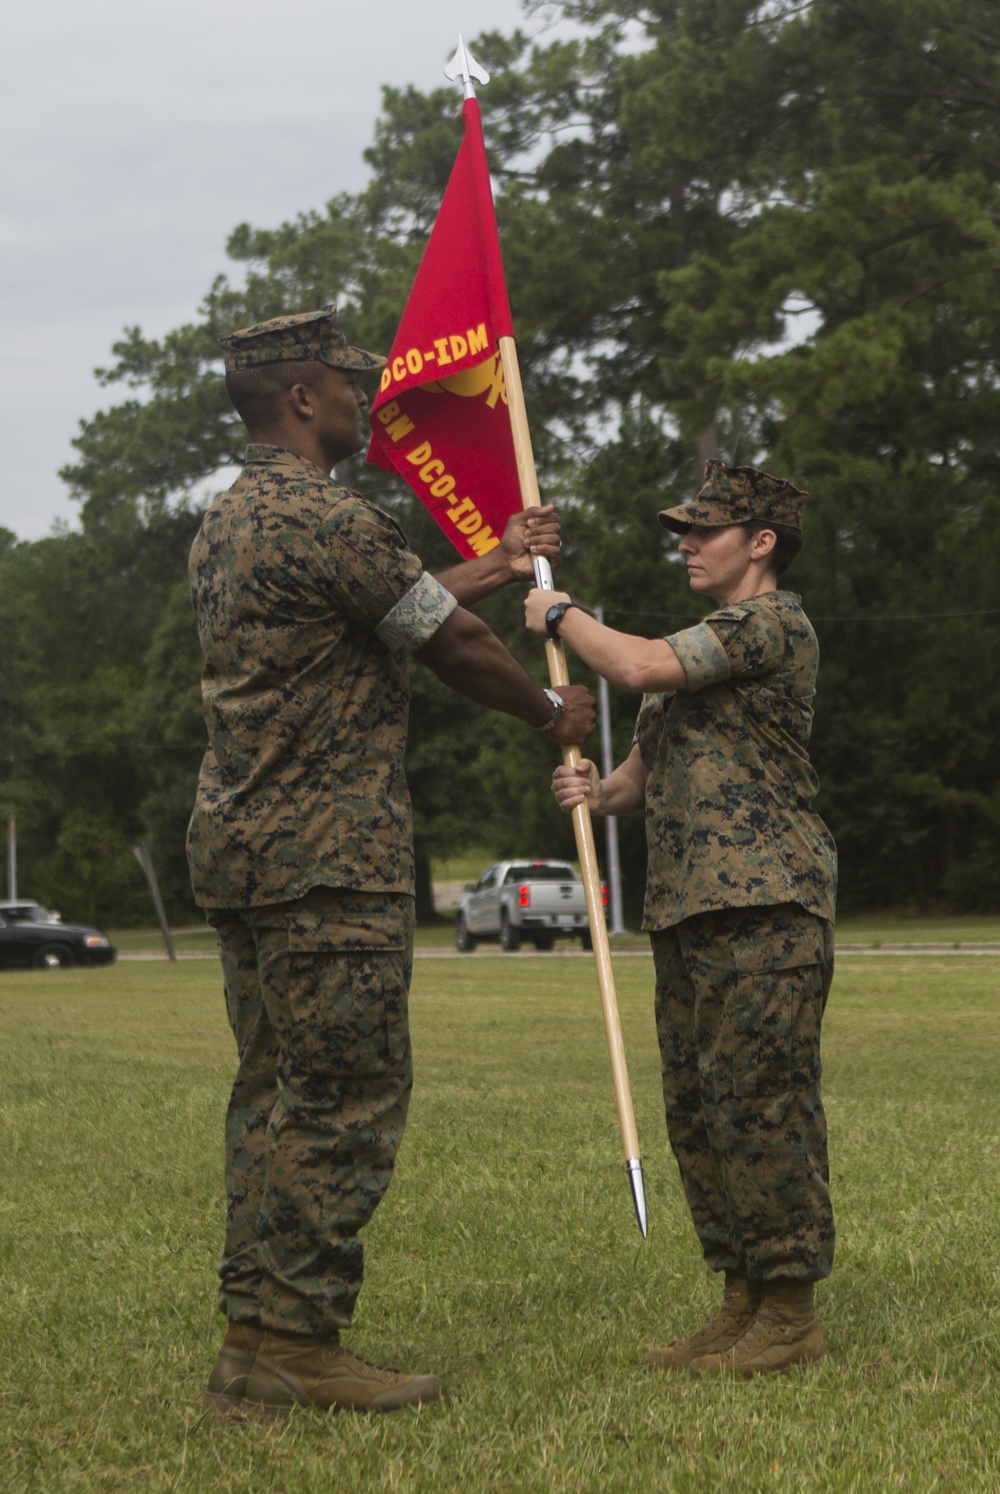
point(31, 935)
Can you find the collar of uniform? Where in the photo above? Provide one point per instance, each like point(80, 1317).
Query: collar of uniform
point(277, 456)
point(776, 594)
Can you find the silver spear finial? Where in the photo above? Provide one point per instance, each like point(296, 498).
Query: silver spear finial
point(463, 65)
point(638, 1193)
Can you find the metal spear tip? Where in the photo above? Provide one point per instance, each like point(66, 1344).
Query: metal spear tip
point(465, 67)
point(638, 1192)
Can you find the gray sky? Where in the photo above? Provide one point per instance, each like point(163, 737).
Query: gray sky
point(137, 134)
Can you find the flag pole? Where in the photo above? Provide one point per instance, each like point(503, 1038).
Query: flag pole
point(583, 827)
point(463, 66)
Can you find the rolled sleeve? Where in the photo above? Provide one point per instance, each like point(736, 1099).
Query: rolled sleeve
point(416, 617)
point(702, 655)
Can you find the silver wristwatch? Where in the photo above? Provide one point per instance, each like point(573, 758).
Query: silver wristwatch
point(558, 706)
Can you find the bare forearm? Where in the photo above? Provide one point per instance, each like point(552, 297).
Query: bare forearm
point(621, 793)
point(475, 663)
point(645, 665)
point(472, 660)
point(475, 579)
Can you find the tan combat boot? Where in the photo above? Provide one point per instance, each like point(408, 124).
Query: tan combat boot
point(228, 1381)
point(296, 1369)
point(739, 1304)
point(784, 1333)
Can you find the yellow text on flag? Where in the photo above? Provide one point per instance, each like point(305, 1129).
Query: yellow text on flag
point(438, 481)
point(442, 352)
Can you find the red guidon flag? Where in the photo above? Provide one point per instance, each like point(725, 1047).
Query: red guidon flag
point(440, 417)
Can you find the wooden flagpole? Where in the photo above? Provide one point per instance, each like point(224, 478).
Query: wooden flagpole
point(465, 68)
point(583, 827)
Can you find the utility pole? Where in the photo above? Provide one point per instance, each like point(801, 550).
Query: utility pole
point(11, 825)
point(617, 924)
point(145, 860)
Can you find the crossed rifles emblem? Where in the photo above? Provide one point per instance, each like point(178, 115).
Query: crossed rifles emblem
point(471, 382)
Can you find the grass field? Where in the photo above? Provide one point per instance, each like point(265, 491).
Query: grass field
point(505, 1256)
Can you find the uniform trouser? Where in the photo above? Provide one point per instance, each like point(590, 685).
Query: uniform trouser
point(316, 993)
point(740, 996)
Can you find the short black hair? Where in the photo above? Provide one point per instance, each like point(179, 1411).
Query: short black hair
point(256, 391)
point(788, 542)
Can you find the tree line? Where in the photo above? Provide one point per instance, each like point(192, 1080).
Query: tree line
point(765, 232)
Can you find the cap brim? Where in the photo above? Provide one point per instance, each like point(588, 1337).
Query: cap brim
point(681, 519)
point(672, 519)
point(356, 359)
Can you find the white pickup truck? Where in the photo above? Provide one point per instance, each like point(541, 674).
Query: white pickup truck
point(516, 900)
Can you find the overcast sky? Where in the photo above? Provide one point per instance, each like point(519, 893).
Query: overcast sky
point(136, 135)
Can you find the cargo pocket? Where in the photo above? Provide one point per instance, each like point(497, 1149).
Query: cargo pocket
point(347, 994)
point(778, 1011)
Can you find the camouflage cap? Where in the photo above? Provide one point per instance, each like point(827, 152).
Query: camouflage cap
point(310, 336)
point(731, 495)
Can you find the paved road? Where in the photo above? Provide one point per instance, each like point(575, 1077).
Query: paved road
point(493, 952)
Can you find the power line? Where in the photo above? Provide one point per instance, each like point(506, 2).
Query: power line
point(904, 616)
point(813, 617)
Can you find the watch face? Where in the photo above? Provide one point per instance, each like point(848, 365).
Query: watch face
point(553, 618)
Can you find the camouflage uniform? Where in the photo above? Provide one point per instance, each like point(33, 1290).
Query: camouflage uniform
point(300, 847)
point(316, 994)
point(740, 905)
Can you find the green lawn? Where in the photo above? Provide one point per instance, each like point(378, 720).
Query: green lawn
point(506, 1256)
point(885, 928)
point(198, 938)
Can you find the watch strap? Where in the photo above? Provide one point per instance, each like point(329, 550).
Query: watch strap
point(554, 617)
point(558, 706)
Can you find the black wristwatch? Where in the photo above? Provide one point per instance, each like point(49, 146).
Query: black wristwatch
point(554, 617)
